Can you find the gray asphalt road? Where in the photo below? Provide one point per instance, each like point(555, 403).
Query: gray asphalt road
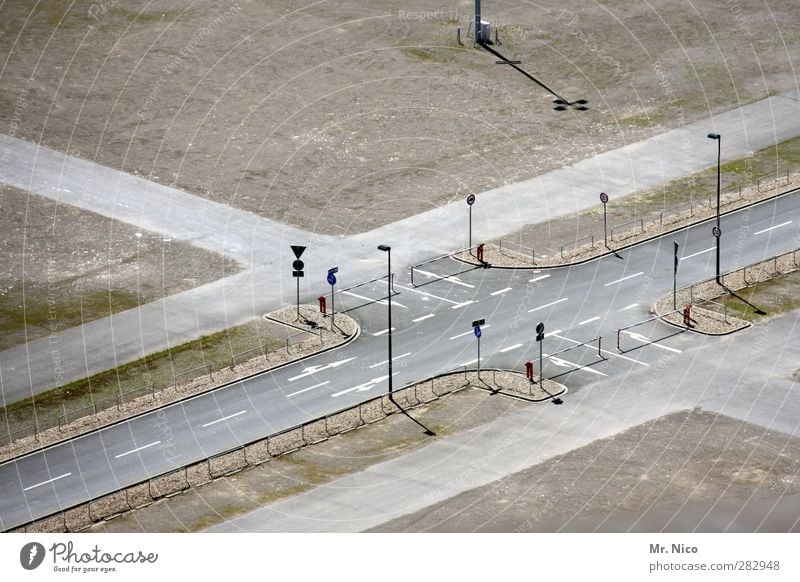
point(432, 334)
point(262, 245)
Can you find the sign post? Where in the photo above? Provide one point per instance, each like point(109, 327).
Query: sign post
point(675, 278)
point(332, 282)
point(604, 200)
point(470, 202)
point(540, 339)
point(297, 272)
point(476, 329)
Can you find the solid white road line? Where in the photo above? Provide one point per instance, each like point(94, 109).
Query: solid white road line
point(548, 305)
point(772, 227)
point(426, 294)
point(424, 317)
point(307, 389)
point(539, 278)
point(470, 332)
point(451, 279)
point(460, 305)
point(224, 418)
point(383, 331)
point(509, 348)
point(383, 363)
point(697, 253)
point(646, 340)
point(501, 291)
point(137, 449)
point(631, 306)
point(381, 301)
point(46, 482)
point(624, 279)
point(585, 321)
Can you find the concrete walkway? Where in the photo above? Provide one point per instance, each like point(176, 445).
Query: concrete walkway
point(261, 245)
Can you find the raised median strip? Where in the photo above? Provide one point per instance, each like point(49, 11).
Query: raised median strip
point(291, 440)
point(504, 254)
point(313, 335)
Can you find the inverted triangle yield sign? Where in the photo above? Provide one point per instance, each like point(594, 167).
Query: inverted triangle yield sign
point(297, 250)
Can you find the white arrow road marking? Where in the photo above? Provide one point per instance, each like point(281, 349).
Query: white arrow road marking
point(424, 317)
point(509, 348)
point(548, 305)
point(568, 364)
point(773, 227)
point(46, 482)
point(381, 301)
point(585, 321)
point(314, 369)
point(307, 389)
point(363, 387)
point(383, 363)
point(648, 341)
point(539, 278)
point(470, 332)
point(451, 279)
point(501, 291)
point(624, 278)
point(136, 450)
point(224, 418)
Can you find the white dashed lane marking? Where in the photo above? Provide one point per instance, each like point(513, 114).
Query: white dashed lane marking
point(631, 306)
point(788, 222)
point(383, 363)
point(585, 321)
point(224, 418)
point(136, 450)
point(423, 318)
point(501, 291)
point(46, 482)
point(624, 279)
point(539, 278)
point(307, 389)
point(548, 305)
point(509, 348)
point(470, 332)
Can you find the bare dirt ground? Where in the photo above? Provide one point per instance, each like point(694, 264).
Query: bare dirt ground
point(342, 116)
point(719, 474)
point(62, 266)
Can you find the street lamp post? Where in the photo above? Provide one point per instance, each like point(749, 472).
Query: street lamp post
point(388, 250)
point(717, 231)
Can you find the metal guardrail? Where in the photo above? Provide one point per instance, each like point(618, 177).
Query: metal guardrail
point(633, 223)
point(774, 177)
point(121, 397)
point(638, 323)
point(676, 210)
point(11, 437)
point(516, 248)
point(598, 339)
point(575, 244)
point(205, 367)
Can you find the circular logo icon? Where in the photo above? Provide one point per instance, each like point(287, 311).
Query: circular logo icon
point(471, 199)
point(603, 197)
point(331, 279)
point(477, 331)
point(716, 231)
point(31, 555)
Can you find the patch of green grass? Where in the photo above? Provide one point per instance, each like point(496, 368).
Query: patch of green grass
point(766, 299)
point(156, 370)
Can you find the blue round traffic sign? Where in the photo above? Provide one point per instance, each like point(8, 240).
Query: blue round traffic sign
point(331, 279)
point(477, 331)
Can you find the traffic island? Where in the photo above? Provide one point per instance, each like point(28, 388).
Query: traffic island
point(703, 307)
point(313, 336)
point(516, 385)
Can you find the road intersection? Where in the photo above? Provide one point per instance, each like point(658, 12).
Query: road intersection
point(432, 334)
